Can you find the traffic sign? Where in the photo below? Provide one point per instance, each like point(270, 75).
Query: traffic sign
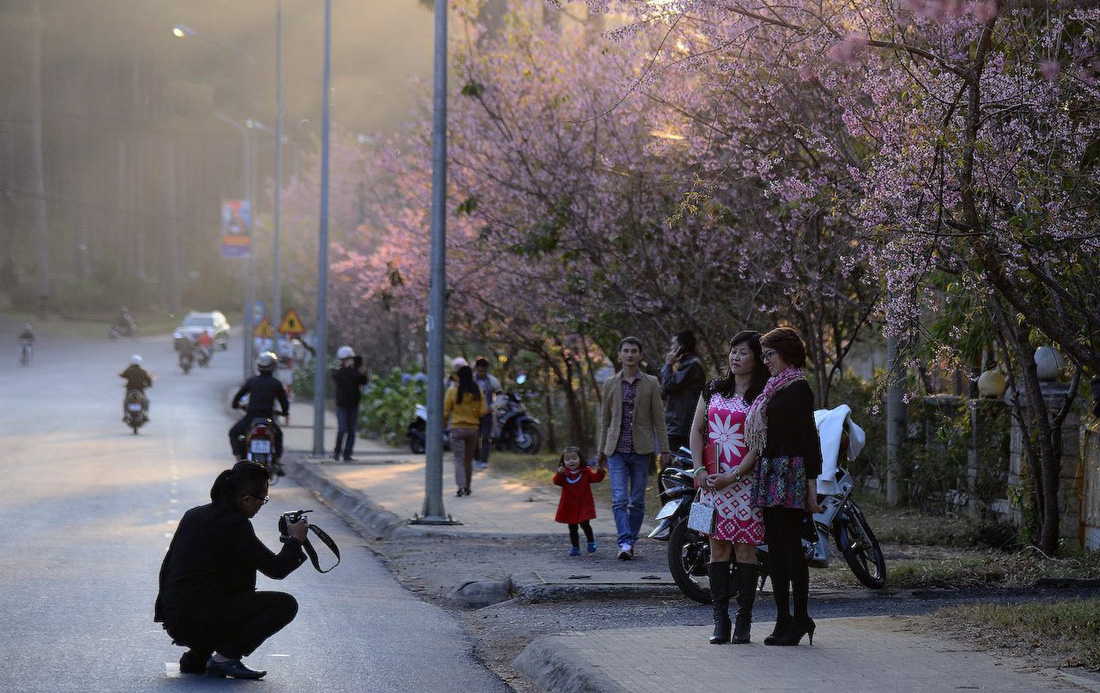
point(292, 324)
point(263, 330)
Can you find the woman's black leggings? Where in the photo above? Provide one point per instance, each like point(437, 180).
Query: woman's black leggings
point(786, 559)
point(575, 537)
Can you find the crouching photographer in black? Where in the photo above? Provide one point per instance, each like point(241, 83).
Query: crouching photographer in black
point(208, 600)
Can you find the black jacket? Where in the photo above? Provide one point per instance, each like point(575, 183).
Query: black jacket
point(348, 382)
point(680, 388)
point(263, 391)
point(214, 557)
point(791, 427)
point(136, 378)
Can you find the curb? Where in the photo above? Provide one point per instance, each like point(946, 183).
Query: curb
point(352, 505)
point(553, 668)
point(376, 522)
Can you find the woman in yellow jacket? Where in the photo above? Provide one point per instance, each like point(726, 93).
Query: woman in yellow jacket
point(463, 407)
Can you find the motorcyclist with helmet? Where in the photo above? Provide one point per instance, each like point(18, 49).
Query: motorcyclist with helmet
point(137, 378)
point(263, 391)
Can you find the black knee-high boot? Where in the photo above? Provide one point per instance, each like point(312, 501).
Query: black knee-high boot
point(746, 576)
point(719, 574)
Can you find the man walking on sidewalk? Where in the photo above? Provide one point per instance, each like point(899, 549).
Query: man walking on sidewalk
point(631, 429)
point(682, 380)
point(490, 387)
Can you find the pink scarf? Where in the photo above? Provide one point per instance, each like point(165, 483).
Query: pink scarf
point(757, 419)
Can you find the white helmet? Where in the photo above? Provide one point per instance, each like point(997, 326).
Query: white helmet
point(266, 361)
point(345, 352)
point(135, 359)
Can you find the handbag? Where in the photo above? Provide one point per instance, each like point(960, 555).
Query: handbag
point(702, 517)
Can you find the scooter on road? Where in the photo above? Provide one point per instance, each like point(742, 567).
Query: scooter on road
point(136, 408)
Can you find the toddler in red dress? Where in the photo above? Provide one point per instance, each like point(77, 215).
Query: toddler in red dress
point(576, 507)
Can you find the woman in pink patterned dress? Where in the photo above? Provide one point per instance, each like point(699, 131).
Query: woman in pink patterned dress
point(718, 431)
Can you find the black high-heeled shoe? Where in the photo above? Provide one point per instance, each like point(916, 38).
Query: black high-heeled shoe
point(782, 623)
point(799, 627)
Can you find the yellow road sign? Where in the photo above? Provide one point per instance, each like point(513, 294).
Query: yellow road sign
point(263, 329)
point(292, 324)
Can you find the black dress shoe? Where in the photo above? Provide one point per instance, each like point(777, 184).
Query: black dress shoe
point(232, 668)
point(192, 662)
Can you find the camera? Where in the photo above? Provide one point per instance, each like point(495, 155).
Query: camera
point(290, 518)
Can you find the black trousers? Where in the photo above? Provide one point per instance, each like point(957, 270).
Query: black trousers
point(241, 429)
point(232, 628)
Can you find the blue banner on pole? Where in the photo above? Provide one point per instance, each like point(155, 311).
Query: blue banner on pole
point(236, 228)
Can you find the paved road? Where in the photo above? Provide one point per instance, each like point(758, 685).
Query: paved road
point(86, 513)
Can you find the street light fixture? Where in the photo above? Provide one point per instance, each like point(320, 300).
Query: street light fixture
point(184, 31)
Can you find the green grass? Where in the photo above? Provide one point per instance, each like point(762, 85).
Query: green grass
point(1064, 633)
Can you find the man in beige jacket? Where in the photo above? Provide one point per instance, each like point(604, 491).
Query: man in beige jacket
point(632, 428)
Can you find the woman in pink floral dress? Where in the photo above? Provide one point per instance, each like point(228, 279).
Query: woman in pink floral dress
point(722, 462)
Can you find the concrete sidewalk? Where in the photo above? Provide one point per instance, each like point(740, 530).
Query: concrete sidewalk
point(384, 489)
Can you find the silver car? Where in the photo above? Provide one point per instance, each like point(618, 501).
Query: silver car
point(213, 322)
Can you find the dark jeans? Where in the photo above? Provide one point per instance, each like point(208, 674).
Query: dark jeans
point(485, 438)
point(241, 429)
point(232, 628)
point(347, 418)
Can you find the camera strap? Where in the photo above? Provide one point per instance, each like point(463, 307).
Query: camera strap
point(327, 541)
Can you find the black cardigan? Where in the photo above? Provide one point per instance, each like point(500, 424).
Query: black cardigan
point(791, 427)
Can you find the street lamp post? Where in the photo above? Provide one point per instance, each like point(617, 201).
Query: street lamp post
point(276, 298)
point(184, 31)
point(433, 512)
point(248, 165)
point(321, 333)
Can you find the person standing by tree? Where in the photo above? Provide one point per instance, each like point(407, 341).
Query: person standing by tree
point(350, 379)
point(631, 429)
point(682, 379)
point(490, 387)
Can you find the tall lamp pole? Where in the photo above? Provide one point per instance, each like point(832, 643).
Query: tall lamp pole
point(433, 512)
point(246, 193)
point(184, 31)
point(321, 348)
point(276, 298)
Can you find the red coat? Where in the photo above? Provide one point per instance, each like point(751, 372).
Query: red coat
point(576, 504)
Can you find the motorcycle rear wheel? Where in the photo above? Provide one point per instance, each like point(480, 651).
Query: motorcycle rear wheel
point(688, 555)
point(528, 438)
point(857, 543)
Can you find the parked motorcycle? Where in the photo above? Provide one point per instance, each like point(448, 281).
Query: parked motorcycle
point(418, 432)
point(123, 328)
point(515, 429)
point(186, 361)
point(259, 446)
point(841, 518)
point(137, 410)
